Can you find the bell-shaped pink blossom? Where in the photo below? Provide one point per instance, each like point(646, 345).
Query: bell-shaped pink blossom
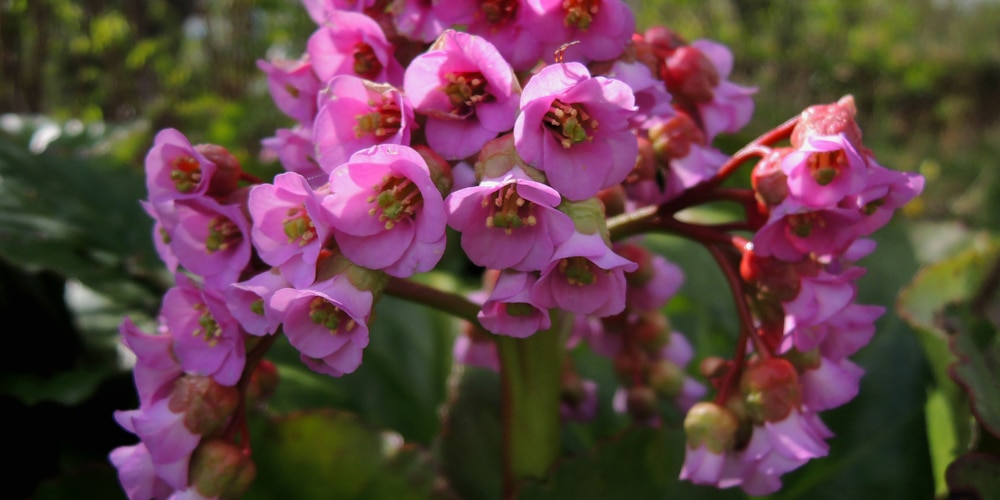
point(575, 128)
point(327, 323)
point(505, 23)
point(210, 239)
point(793, 231)
point(821, 298)
point(356, 114)
point(584, 277)
point(829, 385)
point(824, 171)
point(175, 169)
point(351, 43)
point(207, 338)
point(418, 20)
point(731, 105)
point(509, 309)
point(886, 191)
point(467, 90)
point(289, 229)
point(386, 212)
point(602, 27)
point(779, 447)
point(295, 150)
point(137, 474)
point(509, 223)
point(250, 302)
point(293, 86)
point(155, 369)
point(165, 436)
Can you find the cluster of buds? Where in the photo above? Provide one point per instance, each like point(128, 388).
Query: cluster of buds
point(524, 132)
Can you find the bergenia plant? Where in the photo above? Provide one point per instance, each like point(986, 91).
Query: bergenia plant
point(572, 137)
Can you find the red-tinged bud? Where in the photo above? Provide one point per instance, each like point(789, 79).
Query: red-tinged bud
point(645, 163)
point(206, 404)
point(690, 75)
point(221, 470)
point(651, 330)
point(587, 215)
point(571, 390)
point(712, 426)
point(630, 366)
point(774, 279)
point(771, 390)
point(614, 200)
point(439, 167)
point(802, 361)
point(663, 39)
point(666, 378)
point(499, 156)
point(673, 138)
point(829, 119)
point(713, 367)
point(641, 402)
point(263, 382)
point(227, 173)
point(641, 256)
point(770, 184)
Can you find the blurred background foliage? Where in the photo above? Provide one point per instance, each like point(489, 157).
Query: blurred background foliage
point(85, 84)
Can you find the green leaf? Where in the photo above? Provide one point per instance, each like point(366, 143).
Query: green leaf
point(470, 442)
point(976, 346)
point(328, 454)
point(974, 475)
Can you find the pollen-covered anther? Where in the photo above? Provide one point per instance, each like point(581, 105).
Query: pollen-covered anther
point(185, 173)
point(209, 329)
point(395, 198)
point(579, 13)
point(324, 313)
point(825, 165)
point(366, 63)
point(508, 210)
point(223, 234)
point(464, 91)
point(577, 271)
point(385, 119)
point(571, 124)
point(299, 226)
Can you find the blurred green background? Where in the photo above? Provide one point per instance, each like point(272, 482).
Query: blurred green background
point(84, 86)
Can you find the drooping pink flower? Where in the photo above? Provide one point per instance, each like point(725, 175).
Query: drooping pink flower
point(168, 441)
point(351, 43)
point(829, 385)
point(207, 338)
point(820, 298)
point(386, 212)
point(289, 229)
point(509, 223)
point(603, 27)
point(293, 86)
point(509, 309)
point(505, 23)
point(356, 114)
point(584, 277)
point(250, 302)
point(794, 231)
point(886, 191)
point(327, 323)
point(155, 369)
point(731, 105)
point(210, 239)
point(824, 171)
point(467, 90)
point(137, 474)
point(575, 128)
point(175, 169)
point(161, 239)
point(296, 152)
point(779, 447)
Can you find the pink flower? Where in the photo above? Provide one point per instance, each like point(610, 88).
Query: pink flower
point(356, 114)
point(509, 223)
point(821, 298)
point(830, 384)
point(386, 212)
point(824, 171)
point(155, 369)
point(137, 474)
point(161, 239)
point(793, 232)
point(296, 152)
point(603, 27)
point(575, 128)
point(779, 447)
point(250, 302)
point(350, 43)
point(467, 90)
point(731, 105)
point(210, 239)
point(473, 351)
point(293, 86)
point(166, 438)
point(417, 20)
point(584, 277)
point(327, 323)
point(505, 23)
point(288, 227)
point(319, 9)
point(175, 169)
point(207, 338)
point(886, 191)
point(509, 309)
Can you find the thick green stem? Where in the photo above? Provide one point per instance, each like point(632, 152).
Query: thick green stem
point(530, 386)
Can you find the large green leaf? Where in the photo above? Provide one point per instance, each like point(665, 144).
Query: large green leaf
point(327, 454)
point(470, 443)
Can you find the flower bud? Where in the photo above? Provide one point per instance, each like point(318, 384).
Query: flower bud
point(690, 75)
point(773, 278)
point(439, 168)
point(713, 367)
point(587, 215)
point(771, 390)
point(641, 402)
point(673, 137)
point(207, 405)
point(499, 156)
point(829, 119)
point(710, 425)
point(666, 378)
point(221, 470)
point(641, 256)
point(614, 200)
point(770, 184)
point(263, 382)
point(651, 330)
point(226, 178)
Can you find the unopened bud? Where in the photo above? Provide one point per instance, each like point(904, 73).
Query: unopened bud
point(829, 119)
point(439, 168)
point(690, 75)
point(221, 470)
point(587, 215)
point(651, 330)
point(206, 404)
point(614, 200)
point(673, 137)
point(641, 256)
point(227, 174)
point(770, 184)
point(666, 378)
point(263, 382)
point(771, 390)
point(712, 426)
point(641, 402)
point(773, 278)
point(499, 156)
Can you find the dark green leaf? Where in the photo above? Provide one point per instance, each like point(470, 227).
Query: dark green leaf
point(469, 446)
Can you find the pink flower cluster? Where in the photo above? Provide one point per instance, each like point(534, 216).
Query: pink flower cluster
point(523, 132)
